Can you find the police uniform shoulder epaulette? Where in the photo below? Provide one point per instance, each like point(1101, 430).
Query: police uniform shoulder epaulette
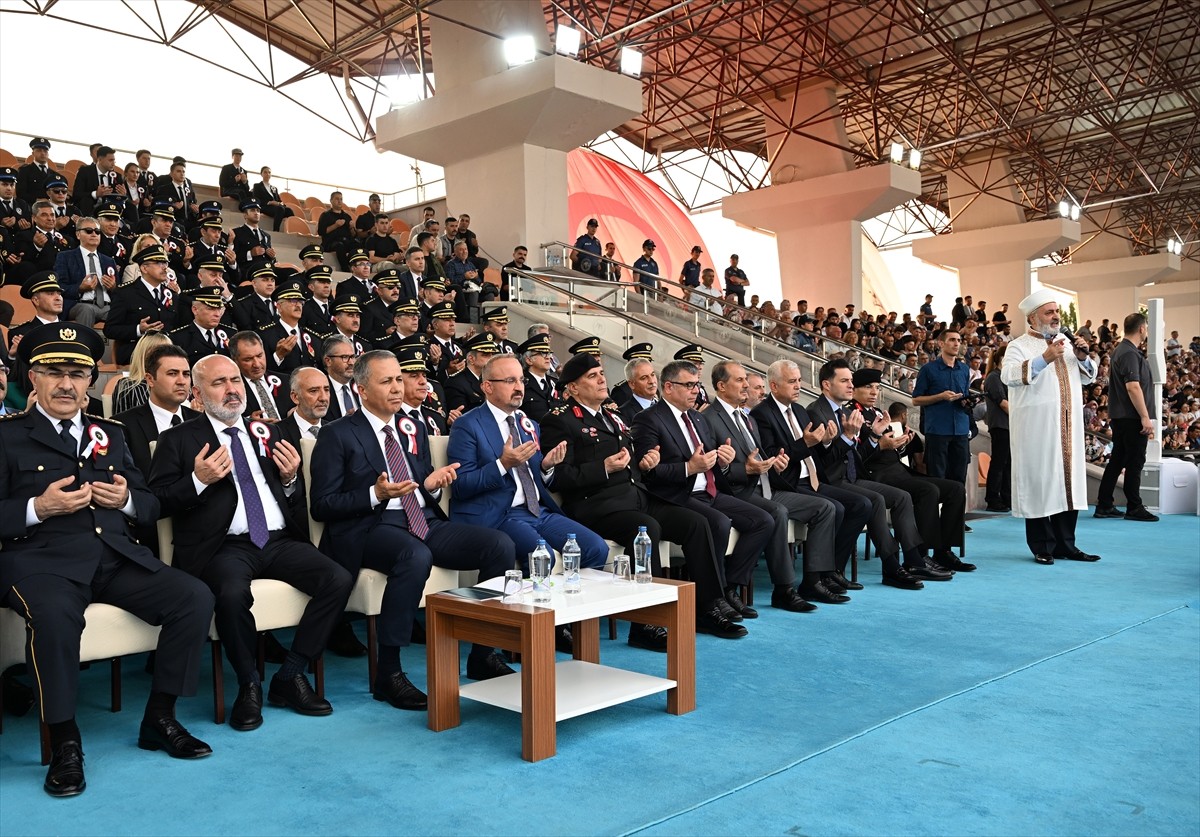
point(266, 326)
point(104, 420)
point(20, 325)
point(11, 416)
point(178, 329)
point(558, 411)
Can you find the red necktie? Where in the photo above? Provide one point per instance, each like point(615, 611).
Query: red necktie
point(417, 524)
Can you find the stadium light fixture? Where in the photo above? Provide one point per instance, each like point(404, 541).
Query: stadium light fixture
point(897, 155)
point(519, 49)
point(1064, 208)
point(631, 62)
point(914, 159)
point(1174, 245)
point(566, 41)
point(1074, 212)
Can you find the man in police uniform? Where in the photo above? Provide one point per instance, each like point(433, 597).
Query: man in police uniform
point(694, 354)
point(288, 345)
point(69, 495)
point(541, 388)
point(638, 351)
point(494, 321)
point(207, 333)
point(464, 390)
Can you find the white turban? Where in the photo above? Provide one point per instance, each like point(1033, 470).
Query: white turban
point(1035, 301)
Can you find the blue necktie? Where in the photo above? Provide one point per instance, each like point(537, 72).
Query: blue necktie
point(851, 465)
point(256, 518)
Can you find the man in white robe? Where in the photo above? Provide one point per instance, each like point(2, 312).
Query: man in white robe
point(1049, 473)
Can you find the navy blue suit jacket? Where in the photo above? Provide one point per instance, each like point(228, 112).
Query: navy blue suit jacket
point(70, 268)
point(481, 494)
point(346, 462)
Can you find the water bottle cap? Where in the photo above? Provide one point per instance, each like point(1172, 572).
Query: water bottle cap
point(641, 528)
point(541, 542)
point(571, 536)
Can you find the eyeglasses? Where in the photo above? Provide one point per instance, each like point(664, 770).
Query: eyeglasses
point(340, 357)
point(506, 381)
point(88, 230)
point(75, 376)
point(57, 191)
point(690, 386)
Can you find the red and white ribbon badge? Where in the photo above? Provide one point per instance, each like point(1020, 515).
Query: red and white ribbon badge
point(263, 433)
point(409, 429)
point(223, 337)
point(527, 426)
point(275, 383)
point(98, 445)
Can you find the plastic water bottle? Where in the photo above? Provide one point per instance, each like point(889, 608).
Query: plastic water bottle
point(572, 555)
point(539, 572)
point(643, 566)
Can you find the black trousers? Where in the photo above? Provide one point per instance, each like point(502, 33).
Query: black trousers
point(999, 479)
point(1128, 455)
point(278, 213)
point(53, 609)
point(820, 515)
point(939, 505)
point(1053, 535)
point(287, 559)
point(855, 511)
point(391, 549)
point(753, 525)
point(619, 522)
point(884, 498)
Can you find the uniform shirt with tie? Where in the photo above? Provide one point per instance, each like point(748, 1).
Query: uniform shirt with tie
point(240, 524)
point(377, 426)
point(699, 481)
point(91, 263)
point(73, 427)
point(164, 419)
point(501, 419)
point(209, 334)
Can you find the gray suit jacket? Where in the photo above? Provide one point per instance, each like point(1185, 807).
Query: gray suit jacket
point(725, 426)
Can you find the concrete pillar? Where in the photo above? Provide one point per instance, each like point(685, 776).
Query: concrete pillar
point(818, 200)
point(502, 134)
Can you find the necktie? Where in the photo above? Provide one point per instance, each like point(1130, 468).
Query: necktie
point(42, 166)
point(158, 295)
point(809, 463)
point(94, 269)
point(176, 420)
point(524, 474)
point(417, 524)
point(265, 400)
point(764, 481)
point(180, 190)
point(851, 464)
point(212, 338)
point(347, 400)
point(64, 432)
point(256, 518)
point(7, 206)
point(314, 430)
point(710, 482)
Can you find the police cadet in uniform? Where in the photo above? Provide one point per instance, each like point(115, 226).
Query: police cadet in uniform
point(318, 307)
point(638, 351)
point(144, 304)
point(376, 320)
point(256, 308)
point(541, 388)
point(69, 495)
point(494, 321)
point(694, 354)
point(464, 390)
point(115, 242)
point(207, 333)
point(444, 349)
point(347, 310)
point(287, 346)
point(15, 214)
point(32, 177)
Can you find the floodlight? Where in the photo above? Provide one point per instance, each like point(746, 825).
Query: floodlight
point(914, 158)
point(1064, 208)
point(566, 41)
point(897, 153)
point(519, 49)
point(631, 62)
point(1074, 212)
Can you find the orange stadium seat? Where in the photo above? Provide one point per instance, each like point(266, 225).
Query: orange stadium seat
point(7, 158)
point(71, 166)
point(310, 202)
point(314, 214)
point(297, 226)
point(399, 227)
point(288, 197)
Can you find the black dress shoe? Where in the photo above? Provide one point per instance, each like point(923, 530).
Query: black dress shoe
point(831, 585)
point(65, 776)
point(820, 591)
point(399, 691)
point(786, 597)
point(735, 601)
point(1141, 513)
point(296, 693)
point(1043, 558)
point(650, 637)
point(1107, 512)
point(711, 620)
point(997, 507)
point(564, 643)
point(727, 610)
point(247, 709)
point(947, 560)
point(967, 528)
point(487, 666)
point(902, 579)
point(168, 734)
point(1079, 555)
point(344, 642)
point(843, 582)
point(928, 571)
point(273, 652)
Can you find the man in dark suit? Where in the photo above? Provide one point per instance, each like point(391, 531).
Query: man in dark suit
point(376, 489)
point(414, 274)
point(749, 476)
point(841, 464)
point(694, 354)
point(786, 430)
point(268, 196)
point(145, 179)
point(236, 496)
point(690, 473)
point(445, 351)
point(502, 472)
point(939, 505)
point(115, 242)
point(602, 488)
point(234, 181)
point(142, 305)
point(66, 512)
point(32, 177)
point(256, 308)
point(35, 249)
point(251, 244)
point(541, 388)
point(264, 393)
point(96, 182)
point(88, 277)
point(337, 358)
point(643, 388)
point(464, 390)
point(287, 345)
point(169, 378)
point(375, 322)
point(178, 191)
point(318, 307)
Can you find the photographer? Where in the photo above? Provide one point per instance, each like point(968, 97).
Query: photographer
point(943, 394)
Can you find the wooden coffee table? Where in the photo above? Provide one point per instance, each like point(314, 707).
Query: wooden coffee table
point(545, 692)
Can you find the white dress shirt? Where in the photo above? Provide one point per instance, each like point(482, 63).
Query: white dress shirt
point(240, 525)
point(162, 418)
point(699, 481)
point(786, 409)
point(501, 419)
point(76, 430)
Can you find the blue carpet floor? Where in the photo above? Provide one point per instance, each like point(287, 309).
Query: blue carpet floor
point(1015, 700)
